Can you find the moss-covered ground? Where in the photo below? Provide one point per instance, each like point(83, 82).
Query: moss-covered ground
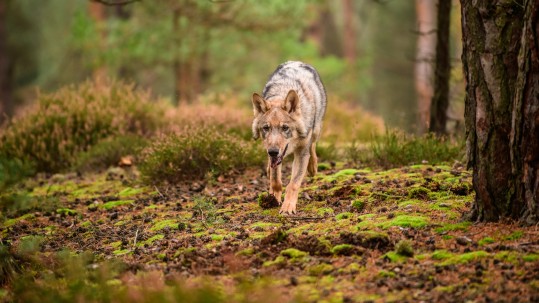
point(360, 235)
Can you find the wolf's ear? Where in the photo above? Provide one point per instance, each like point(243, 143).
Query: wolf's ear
point(291, 102)
point(260, 105)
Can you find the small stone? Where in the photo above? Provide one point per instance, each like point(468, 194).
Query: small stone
point(464, 240)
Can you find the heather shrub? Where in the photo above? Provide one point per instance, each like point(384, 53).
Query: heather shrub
point(225, 113)
point(63, 124)
point(396, 148)
point(195, 153)
point(345, 122)
point(109, 152)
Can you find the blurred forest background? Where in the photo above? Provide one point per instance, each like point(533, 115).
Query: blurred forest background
point(374, 54)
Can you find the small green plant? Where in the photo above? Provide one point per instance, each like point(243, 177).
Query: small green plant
point(196, 153)
point(12, 170)
point(205, 210)
point(404, 248)
point(65, 123)
point(326, 152)
point(358, 205)
point(396, 148)
point(418, 193)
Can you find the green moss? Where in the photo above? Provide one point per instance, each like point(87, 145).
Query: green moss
point(406, 221)
point(264, 225)
point(278, 260)
point(323, 166)
point(453, 227)
point(507, 256)
point(344, 215)
point(418, 193)
point(342, 249)
point(515, 235)
point(120, 252)
point(183, 251)
point(485, 241)
point(394, 257)
point(320, 269)
point(386, 274)
point(358, 205)
point(246, 252)
point(352, 268)
point(342, 174)
point(151, 240)
point(116, 244)
point(534, 284)
point(86, 224)
point(404, 248)
point(66, 211)
point(324, 210)
point(293, 253)
point(447, 237)
point(11, 222)
point(217, 237)
point(128, 192)
point(113, 204)
point(409, 202)
point(530, 257)
point(441, 255)
point(465, 258)
point(449, 288)
point(165, 223)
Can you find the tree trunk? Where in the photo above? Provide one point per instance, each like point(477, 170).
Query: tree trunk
point(6, 68)
point(349, 30)
point(98, 14)
point(440, 101)
point(525, 119)
point(426, 44)
point(500, 60)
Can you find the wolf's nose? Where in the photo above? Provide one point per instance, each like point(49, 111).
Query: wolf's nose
point(273, 152)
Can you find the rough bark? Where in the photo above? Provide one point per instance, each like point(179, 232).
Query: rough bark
point(440, 100)
point(6, 68)
point(525, 119)
point(426, 43)
point(501, 115)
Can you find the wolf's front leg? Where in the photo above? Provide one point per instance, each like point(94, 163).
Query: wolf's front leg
point(276, 184)
point(299, 168)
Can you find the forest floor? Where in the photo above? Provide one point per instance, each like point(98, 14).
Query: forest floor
point(360, 235)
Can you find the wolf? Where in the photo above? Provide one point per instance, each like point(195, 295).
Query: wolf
point(288, 116)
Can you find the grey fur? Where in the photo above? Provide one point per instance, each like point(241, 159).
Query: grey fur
point(289, 115)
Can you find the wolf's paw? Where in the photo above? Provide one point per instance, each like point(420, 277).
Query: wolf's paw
point(288, 208)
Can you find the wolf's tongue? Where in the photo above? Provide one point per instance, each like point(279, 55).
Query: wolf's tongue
point(277, 160)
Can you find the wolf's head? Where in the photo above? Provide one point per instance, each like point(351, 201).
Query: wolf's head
point(278, 122)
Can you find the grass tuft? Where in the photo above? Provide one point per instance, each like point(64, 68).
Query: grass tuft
point(195, 154)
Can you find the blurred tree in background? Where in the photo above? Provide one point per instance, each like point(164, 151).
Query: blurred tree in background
point(183, 49)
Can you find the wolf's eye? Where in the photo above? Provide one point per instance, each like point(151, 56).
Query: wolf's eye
point(266, 128)
point(285, 128)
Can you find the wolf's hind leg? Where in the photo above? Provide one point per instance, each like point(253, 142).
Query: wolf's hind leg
point(313, 161)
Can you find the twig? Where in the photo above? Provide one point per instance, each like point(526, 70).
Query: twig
point(135, 241)
point(157, 189)
point(306, 218)
point(115, 3)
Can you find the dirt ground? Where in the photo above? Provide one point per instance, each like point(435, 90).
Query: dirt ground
point(359, 235)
